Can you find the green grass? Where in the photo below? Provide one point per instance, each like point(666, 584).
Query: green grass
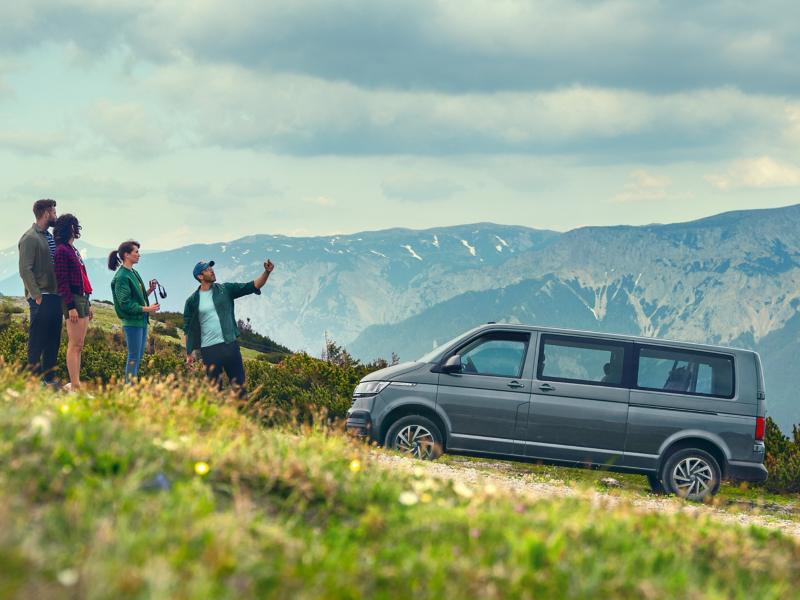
point(282, 514)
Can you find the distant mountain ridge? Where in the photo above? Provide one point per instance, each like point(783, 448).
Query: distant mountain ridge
point(729, 279)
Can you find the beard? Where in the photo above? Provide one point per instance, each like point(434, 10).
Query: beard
point(52, 221)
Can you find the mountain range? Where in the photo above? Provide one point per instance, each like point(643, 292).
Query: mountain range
point(731, 279)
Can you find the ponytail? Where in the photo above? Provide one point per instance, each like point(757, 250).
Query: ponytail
point(113, 261)
point(117, 256)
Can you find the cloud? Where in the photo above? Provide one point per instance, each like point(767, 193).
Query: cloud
point(414, 188)
point(472, 45)
point(763, 172)
point(237, 108)
point(320, 200)
point(256, 188)
point(649, 187)
point(186, 187)
point(22, 141)
point(82, 186)
point(128, 128)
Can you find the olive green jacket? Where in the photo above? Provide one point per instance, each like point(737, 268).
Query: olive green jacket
point(36, 264)
point(223, 295)
point(128, 292)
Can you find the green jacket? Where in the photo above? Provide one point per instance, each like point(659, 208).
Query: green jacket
point(36, 264)
point(128, 292)
point(223, 295)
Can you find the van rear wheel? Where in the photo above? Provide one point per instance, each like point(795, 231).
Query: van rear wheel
point(416, 437)
point(691, 473)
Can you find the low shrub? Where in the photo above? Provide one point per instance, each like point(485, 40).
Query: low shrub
point(782, 460)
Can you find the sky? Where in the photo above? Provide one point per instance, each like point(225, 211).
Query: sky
point(175, 122)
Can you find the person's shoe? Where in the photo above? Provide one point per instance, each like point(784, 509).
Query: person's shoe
point(53, 385)
point(68, 388)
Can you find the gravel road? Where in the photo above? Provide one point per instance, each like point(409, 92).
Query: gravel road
point(529, 487)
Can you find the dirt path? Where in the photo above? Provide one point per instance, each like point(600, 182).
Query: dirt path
point(527, 486)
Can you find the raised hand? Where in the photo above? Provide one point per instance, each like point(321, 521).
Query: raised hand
point(268, 266)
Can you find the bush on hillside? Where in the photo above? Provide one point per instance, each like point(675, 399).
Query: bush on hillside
point(782, 460)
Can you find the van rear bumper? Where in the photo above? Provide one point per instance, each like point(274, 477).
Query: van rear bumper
point(746, 471)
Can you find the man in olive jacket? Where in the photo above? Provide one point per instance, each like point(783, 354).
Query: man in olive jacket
point(36, 257)
point(210, 324)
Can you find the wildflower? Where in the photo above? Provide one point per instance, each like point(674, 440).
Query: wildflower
point(11, 394)
point(67, 577)
point(170, 446)
point(490, 489)
point(41, 424)
point(462, 490)
point(474, 532)
point(355, 465)
point(419, 472)
point(64, 408)
point(408, 498)
point(201, 468)
point(426, 497)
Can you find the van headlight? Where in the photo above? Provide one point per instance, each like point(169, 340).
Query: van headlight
point(369, 388)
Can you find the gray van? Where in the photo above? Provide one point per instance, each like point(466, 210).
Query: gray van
point(685, 415)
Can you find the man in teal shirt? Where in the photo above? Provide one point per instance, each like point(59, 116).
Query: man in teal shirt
point(210, 324)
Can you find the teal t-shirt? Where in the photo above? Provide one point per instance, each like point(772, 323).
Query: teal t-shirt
point(210, 327)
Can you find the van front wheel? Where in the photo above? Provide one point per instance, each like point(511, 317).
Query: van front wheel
point(416, 437)
point(692, 474)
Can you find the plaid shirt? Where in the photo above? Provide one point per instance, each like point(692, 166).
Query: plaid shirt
point(69, 274)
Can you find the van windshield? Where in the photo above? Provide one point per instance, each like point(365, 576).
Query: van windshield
point(436, 354)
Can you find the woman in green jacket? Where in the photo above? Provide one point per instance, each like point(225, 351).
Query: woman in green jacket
point(131, 303)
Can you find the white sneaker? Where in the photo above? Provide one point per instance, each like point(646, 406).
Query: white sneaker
point(69, 390)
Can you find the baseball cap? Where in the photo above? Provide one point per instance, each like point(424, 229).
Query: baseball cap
point(200, 267)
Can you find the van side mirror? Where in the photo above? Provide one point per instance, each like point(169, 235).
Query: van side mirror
point(452, 364)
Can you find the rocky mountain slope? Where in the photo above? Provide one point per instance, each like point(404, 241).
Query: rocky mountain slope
point(732, 279)
point(729, 279)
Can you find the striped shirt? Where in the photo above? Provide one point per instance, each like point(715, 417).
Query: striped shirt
point(52, 243)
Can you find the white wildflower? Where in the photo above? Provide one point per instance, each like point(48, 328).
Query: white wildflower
point(408, 498)
point(41, 424)
point(67, 577)
point(462, 490)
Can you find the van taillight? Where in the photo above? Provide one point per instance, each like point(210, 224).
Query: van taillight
point(760, 424)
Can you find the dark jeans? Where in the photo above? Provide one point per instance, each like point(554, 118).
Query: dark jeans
point(136, 338)
point(45, 336)
point(225, 357)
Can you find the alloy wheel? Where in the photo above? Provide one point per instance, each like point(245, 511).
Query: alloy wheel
point(693, 478)
point(415, 441)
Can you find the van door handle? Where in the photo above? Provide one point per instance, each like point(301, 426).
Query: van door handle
point(546, 387)
point(515, 384)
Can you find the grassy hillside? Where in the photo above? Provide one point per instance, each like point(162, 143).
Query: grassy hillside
point(163, 491)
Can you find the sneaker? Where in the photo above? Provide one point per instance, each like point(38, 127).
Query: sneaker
point(53, 385)
point(68, 388)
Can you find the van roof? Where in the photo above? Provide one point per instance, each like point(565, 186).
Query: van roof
point(615, 336)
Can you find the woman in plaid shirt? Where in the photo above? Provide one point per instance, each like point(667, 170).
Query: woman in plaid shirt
point(74, 288)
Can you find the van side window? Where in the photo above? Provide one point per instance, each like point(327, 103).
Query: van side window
point(494, 355)
point(581, 360)
point(684, 371)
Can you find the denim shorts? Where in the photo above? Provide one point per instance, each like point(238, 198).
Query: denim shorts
point(81, 305)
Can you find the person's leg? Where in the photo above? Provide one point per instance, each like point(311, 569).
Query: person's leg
point(36, 338)
point(135, 341)
point(142, 346)
point(212, 359)
point(53, 319)
point(234, 368)
point(77, 336)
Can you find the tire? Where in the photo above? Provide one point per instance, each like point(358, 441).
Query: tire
point(656, 485)
point(416, 437)
point(692, 474)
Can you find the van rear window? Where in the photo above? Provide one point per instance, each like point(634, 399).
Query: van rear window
point(684, 372)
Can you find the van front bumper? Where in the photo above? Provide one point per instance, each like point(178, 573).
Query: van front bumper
point(359, 423)
point(746, 471)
